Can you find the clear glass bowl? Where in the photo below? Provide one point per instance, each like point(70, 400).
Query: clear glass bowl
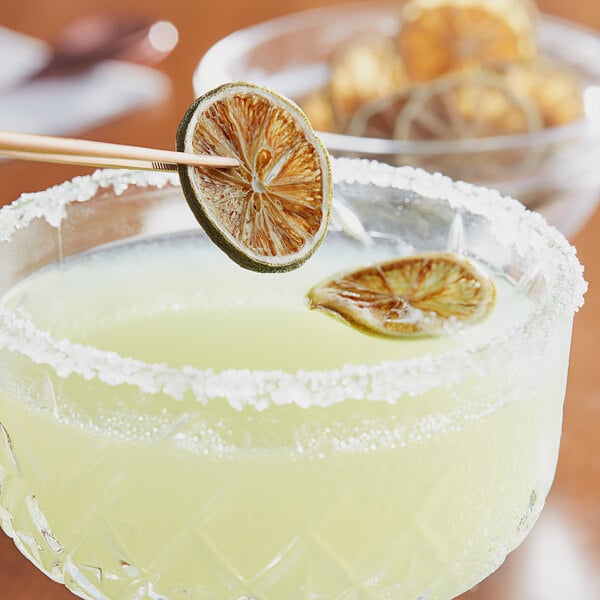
point(559, 176)
point(402, 478)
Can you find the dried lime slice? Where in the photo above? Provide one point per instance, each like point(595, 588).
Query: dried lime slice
point(270, 213)
point(377, 118)
point(418, 295)
point(465, 106)
point(441, 36)
point(363, 69)
point(554, 88)
point(317, 108)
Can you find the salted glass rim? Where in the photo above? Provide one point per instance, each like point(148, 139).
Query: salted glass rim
point(384, 381)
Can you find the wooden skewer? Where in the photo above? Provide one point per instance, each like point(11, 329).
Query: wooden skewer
point(90, 161)
point(101, 154)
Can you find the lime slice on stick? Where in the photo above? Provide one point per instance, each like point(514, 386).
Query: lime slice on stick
point(271, 212)
point(418, 295)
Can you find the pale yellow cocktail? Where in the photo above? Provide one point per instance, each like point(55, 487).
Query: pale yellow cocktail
point(174, 427)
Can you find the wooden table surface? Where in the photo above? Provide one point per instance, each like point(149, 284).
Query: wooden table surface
point(560, 560)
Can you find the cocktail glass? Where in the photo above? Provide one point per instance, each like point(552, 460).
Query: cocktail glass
point(286, 470)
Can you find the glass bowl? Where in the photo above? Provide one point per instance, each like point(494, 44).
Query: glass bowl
point(144, 455)
point(554, 170)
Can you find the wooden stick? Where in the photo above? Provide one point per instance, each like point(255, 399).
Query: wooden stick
point(88, 161)
point(67, 150)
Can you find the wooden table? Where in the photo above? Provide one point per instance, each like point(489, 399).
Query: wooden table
point(561, 558)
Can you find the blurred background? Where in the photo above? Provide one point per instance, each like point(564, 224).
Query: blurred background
point(134, 61)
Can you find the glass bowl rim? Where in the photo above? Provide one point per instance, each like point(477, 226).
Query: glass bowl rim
point(385, 381)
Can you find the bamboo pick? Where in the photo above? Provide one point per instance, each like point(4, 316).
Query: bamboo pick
point(84, 152)
point(89, 161)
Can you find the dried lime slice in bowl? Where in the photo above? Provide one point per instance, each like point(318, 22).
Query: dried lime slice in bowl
point(451, 113)
point(271, 212)
point(362, 70)
point(438, 37)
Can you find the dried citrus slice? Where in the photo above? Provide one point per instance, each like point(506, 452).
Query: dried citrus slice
point(554, 88)
point(377, 118)
point(441, 36)
point(466, 106)
point(270, 213)
point(317, 108)
point(417, 295)
point(366, 68)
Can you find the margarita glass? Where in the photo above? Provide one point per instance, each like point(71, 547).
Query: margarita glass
point(175, 427)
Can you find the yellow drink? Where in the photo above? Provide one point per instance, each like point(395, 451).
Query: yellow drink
point(327, 464)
